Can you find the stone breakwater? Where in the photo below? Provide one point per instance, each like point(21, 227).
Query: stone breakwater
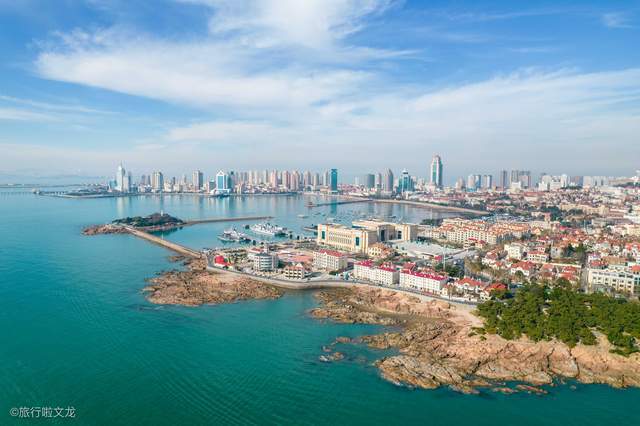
point(198, 286)
point(438, 346)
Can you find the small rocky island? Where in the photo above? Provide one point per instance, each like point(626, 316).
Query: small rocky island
point(439, 345)
point(152, 223)
point(198, 286)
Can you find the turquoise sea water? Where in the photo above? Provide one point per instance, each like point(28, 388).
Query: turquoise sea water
point(76, 331)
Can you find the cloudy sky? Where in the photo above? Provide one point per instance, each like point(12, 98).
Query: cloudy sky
point(360, 85)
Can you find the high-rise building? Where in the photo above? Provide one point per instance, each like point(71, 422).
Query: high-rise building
point(120, 178)
point(369, 181)
point(405, 183)
point(222, 182)
point(326, 177)
point(436, 171)
point(525, 178)
point(273, 179)
point(286, 180)
point(504, 179)
point(157, 181)
point(474, 182)
point(334, 180)
point(198, 180)
point(387, 181)
point(307, 180)
point(487, 181)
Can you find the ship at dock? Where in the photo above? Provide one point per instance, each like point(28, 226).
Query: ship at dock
point(268, 229)
point(233, 236)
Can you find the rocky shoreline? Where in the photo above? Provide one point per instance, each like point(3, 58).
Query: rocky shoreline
point(197, 286)
point(108, 228)
point(438, 345)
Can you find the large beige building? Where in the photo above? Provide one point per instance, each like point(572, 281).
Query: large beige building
point(354, 240)
point(386, 231)
point(364, 233)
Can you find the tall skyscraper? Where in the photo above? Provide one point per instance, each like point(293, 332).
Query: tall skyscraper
point(387, 181)
point(405, 183)
point(198, 180)
point(157, 181)
point(369, 181)
point(436, 171)
point(487, 181)
point(504, 179)
point(222, 182)
point(474, 182)
point(120, 178)
point(334, 180)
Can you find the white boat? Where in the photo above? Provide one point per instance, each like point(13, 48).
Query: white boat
point(303, 216)
point(233, 236)
point(268, 229)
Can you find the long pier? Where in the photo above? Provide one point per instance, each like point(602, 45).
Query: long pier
point(335, 203)
point(164, 243)
point(226, 219)
point(434, 206)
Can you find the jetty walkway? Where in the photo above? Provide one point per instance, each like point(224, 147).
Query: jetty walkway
point(226, 219)
point(164, 243)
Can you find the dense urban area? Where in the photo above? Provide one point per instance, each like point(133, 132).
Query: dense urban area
point(580, 232)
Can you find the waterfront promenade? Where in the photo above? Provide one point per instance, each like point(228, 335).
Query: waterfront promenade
point(288, 284)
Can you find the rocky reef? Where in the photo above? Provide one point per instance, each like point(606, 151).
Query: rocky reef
point(438, 345)
point(198, 286)
point(109, 228)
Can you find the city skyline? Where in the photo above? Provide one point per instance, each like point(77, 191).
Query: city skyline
point(97, 82)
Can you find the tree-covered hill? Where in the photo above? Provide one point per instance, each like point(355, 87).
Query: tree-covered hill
point(543, 313)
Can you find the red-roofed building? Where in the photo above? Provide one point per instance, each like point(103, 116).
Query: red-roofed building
point(385, 274)
point(488, 290)
point(329, 260)
point(538, 256)
point(432, 283)
point(469, 285)
point(527, 268)
point(220, 261)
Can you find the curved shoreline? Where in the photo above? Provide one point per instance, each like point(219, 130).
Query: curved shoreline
point(440, 346)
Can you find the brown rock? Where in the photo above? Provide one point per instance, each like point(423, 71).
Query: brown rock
point(437, 347)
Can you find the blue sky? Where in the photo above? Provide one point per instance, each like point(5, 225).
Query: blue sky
point(356, 84)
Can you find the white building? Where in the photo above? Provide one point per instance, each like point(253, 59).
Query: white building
point(422, 281)
point(123, 181)
point(621, 279)
point(514, 251)
point(329, 260)
point(264, 262)
point(367, 271)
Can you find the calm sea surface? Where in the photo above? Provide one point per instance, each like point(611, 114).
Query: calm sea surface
point(76, 331)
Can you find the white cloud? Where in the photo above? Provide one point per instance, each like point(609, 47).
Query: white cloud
point(278, 94)
point(309, 23)
point(616, 20)
point(17, 114)
point(564, 118)
point(201, 74)
point(51, 106)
